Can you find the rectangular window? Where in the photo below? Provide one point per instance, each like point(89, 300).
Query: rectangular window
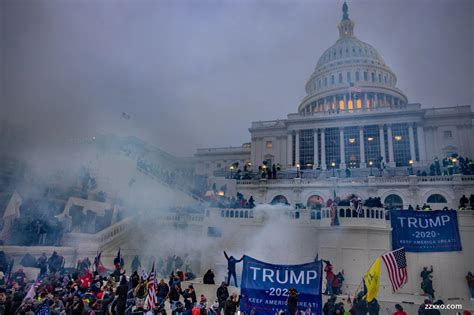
point(306, 148)
point(319, 84)
point(372, 145)
point(380, 78)
point(373, 77)
point(269, 145)
point(385, 78)
point(349, 79)
point(333, 81)
point(366, 76)
point(448, 134)
point(332, 147)
point(326, 81)
point(401, 144)
point(357, 76)
point(352, 146)
point(340, 77)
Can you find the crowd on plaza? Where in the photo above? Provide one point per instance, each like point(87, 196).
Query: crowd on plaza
point(90, 288)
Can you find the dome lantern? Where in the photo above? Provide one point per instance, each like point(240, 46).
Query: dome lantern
point(346, 26)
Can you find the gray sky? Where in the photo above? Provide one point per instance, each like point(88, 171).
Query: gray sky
point(197, 73)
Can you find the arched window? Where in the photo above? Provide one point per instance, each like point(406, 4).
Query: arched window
point(315, 202)
point(280, 199)
point(341, 213)
point(246, 213)
point(436, 198)
point(227, 213)
point(231, 213)
point(393, 201)
point(313, 215)
point(348, 213)
point(318, 215)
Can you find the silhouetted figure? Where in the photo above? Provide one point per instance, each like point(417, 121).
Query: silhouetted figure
point(231, 262)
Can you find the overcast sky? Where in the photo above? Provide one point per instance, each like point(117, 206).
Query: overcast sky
point(197, 73)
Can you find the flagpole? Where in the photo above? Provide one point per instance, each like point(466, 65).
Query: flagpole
point(369, 269)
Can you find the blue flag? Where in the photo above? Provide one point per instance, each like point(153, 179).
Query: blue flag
point(44, 308)
point(425, 231)
point(264, 287)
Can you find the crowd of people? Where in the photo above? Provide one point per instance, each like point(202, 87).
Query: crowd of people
point(235, 202)
point(90, 288)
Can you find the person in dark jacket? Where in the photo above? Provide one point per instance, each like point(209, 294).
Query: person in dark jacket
point(231, 304)
point(222, 295)
point(330, 306)
point(231, 262)
point(292, 301)
point(190, 298)
point(374, 307)
point(162, 290)
point(77, 306)
point(174, 295)
point(209, 277)
point(360, 305)
point(121, 293)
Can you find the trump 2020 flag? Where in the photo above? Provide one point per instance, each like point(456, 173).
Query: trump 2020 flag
point(264, 287)
point(372, 280)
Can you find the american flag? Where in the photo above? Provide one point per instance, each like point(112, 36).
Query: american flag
point(355, 88)
point(151, 285)
point(44, 308)
point(396, 263)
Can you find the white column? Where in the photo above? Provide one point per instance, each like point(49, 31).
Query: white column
point(342, 150)
point(411, 137)
point(323, 150)
point(382, 143)
point(315, 142)
point(297, 147)
point(376, 100)
point(289, 143)
point(335, 103)
point(421, 143)
point(364, 105)
point(362, 147)
point(345, 101)
point(390, 146)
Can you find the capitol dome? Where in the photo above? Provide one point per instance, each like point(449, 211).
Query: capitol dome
point(351, 75)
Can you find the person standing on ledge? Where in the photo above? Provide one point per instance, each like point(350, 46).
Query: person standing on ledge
point(231, 262)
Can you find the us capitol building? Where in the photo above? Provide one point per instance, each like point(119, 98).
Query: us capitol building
point(353, 117)
point(353, 120)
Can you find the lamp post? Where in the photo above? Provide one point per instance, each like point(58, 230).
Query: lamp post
point(231, 170)
point(298, 171)
point(371, 164)
point(454, 160)
point(333, 164)
point(410, 169)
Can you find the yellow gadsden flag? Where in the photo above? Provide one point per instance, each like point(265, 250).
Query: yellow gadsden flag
point(372, 280)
